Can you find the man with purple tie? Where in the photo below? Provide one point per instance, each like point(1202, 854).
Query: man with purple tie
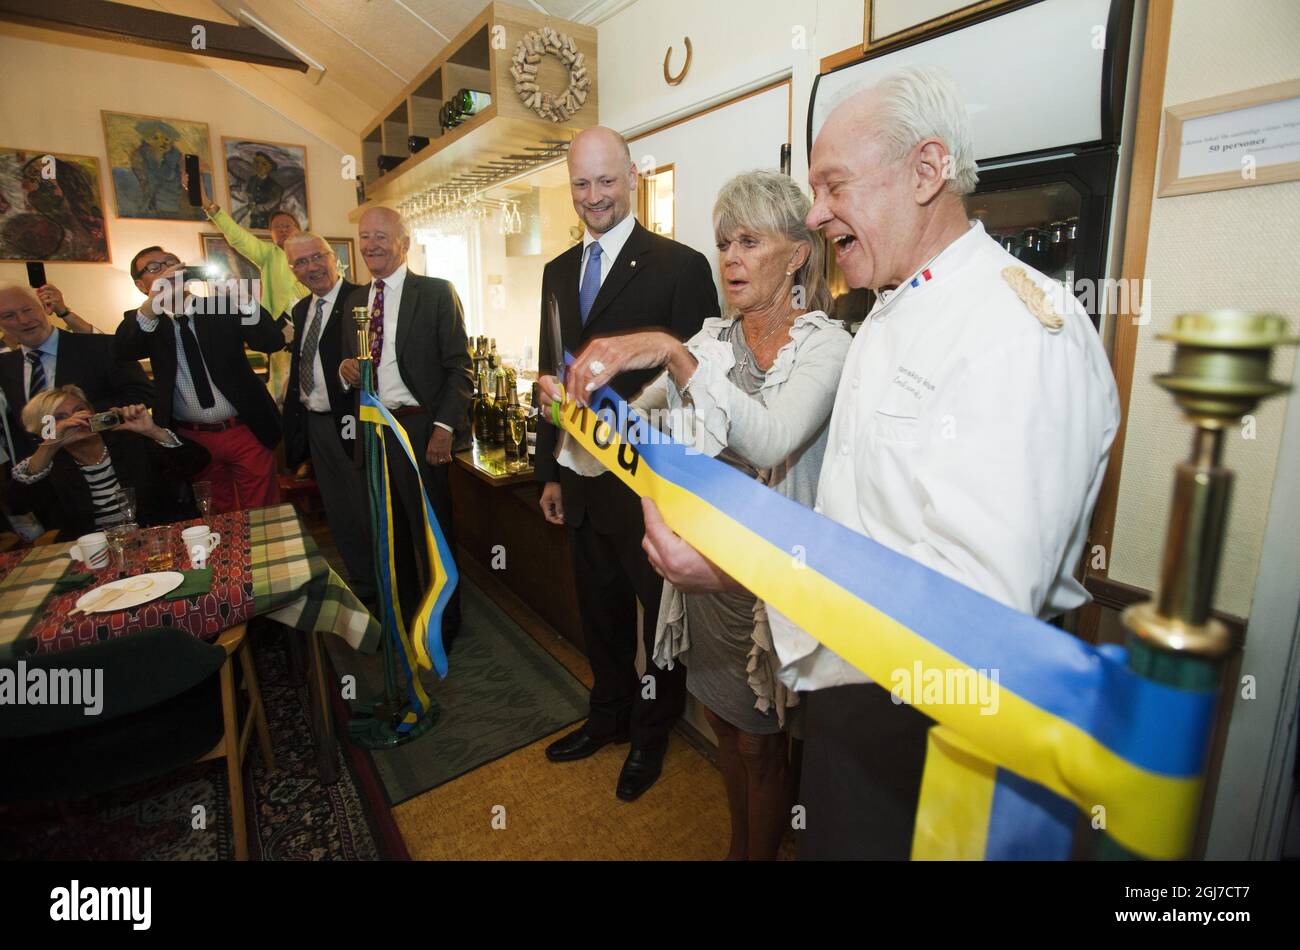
point(422, 374)
point(620, 278)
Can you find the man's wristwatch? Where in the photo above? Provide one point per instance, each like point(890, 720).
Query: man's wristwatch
point(63, 315)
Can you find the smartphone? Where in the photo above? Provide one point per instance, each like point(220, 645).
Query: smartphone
point(195, 182)
point(36, 274)
point(105, 420)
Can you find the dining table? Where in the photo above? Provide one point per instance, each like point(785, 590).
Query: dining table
point(266, 565)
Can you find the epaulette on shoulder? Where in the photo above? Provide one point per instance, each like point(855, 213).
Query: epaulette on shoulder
point(1033, 297)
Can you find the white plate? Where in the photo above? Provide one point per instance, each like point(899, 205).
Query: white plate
point(135, 591)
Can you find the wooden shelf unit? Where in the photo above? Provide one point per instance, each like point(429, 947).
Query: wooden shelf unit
point(478, 58)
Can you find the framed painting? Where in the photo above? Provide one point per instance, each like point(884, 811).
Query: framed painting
point(216, 250)
point(890, 23)
point(146, 155)
point(51, 207)
point(265, 178)
point(343, 249)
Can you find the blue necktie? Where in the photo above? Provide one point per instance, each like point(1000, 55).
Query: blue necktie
point(590, 282)
point(37, 383)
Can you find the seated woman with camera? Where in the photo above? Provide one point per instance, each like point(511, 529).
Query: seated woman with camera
point(86, 458)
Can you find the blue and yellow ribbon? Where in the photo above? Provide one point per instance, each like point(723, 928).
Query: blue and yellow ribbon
point(427, 650)
point(1071, 721)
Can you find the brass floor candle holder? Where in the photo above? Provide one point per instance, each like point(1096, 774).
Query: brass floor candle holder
point(1220, 373)
point(376, 723)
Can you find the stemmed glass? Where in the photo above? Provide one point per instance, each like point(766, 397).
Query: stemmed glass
point(203, 498)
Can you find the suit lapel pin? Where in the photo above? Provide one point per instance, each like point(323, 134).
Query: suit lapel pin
point(634, 263)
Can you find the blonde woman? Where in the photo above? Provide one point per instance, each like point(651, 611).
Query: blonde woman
point(754, 388)
point(75, 473)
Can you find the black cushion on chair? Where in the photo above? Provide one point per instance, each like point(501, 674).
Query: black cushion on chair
point(161, 700)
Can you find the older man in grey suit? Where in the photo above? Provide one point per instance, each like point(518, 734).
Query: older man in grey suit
point(422, 366)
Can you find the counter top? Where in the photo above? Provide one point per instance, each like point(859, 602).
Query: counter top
point(489, 464)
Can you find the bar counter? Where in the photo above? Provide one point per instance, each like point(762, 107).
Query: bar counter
point(499, 525)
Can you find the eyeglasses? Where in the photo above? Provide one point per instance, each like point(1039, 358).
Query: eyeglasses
point(154, 267)
point(314, 259)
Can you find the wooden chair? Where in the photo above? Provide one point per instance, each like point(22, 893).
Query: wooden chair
point(233, 745)
point(170, 700)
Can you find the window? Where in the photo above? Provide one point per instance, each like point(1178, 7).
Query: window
point(453, 254)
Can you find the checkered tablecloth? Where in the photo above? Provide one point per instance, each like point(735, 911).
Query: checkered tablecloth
point(266, 565)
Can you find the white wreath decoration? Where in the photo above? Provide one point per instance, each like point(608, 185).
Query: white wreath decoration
point(529, 52)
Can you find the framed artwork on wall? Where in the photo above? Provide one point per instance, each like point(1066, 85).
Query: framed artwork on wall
point(216, 250)
point(264, 178)
point(146, 155)
point(888, 23)
point(51, 207)
point(344, 250)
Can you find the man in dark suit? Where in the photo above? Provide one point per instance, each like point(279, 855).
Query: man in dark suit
point(46, 357)
point(207, 390)
point(421, 354)
point(318, 420)
point(621, 278)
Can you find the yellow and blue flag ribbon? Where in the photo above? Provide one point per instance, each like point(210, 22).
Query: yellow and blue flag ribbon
point(1072, 722)
point(426, 649)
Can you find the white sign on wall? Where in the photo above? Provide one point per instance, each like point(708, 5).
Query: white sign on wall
point(1234, 141)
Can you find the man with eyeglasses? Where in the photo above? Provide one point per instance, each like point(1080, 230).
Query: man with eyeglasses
point(44, 357)
point(207, 390)
point(280, 287)
point(317, 411)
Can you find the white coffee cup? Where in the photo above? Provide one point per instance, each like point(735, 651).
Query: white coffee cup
point(91, 550)
point(200, 541)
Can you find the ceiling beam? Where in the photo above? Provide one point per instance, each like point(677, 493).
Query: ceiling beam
point(120, 21)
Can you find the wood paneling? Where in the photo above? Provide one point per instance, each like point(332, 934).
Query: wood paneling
point(1142, 179)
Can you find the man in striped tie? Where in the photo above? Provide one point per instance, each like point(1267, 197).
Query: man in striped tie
point(317, 411)
point(45, 357)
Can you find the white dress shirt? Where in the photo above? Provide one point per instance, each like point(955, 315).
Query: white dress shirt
point(392, 391)
point(185, 401)
point(568, 452)
point(49, 351)
point(969, 437)
point(611, 243)
point(318, 400)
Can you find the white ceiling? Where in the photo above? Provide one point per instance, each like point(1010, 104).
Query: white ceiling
point(369, 50)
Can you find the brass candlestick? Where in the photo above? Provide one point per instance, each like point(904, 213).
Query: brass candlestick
point(361, 317)
point(1220, 373)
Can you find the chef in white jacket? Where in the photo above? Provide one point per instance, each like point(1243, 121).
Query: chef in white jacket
point(971, 429)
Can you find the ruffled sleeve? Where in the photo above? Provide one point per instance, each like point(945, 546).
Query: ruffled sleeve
point(762, 667)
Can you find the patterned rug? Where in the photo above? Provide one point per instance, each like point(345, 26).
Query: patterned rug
point(502, 692)
point(186, 815)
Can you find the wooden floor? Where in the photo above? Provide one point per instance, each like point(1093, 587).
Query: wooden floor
point(524, 807)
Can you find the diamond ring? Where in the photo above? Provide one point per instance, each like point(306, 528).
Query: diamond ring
point(597, 367)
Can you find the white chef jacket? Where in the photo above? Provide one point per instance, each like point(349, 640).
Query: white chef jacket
point(969, 437)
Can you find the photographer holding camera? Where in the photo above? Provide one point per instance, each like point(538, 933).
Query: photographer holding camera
point(206, 388)
point(85, 458)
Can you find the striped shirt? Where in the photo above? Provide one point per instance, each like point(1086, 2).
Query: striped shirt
point(103, 485)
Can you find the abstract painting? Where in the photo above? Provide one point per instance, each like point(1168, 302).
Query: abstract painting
point(51, 207)
point(147, 155)
point(264, 178)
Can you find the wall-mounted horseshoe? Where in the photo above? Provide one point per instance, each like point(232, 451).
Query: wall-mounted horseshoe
point(669, 77)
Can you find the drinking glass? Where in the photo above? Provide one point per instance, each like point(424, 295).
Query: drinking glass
point(118, 534)
point(203, 498)
point(158, 549)
point(125, 498)
point(517, 424)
